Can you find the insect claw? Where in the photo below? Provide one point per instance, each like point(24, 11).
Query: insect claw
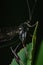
point(29, 24)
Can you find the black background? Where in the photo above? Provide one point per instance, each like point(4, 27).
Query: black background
point(13, 13)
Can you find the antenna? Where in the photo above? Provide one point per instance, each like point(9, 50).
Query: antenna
point(31, 12)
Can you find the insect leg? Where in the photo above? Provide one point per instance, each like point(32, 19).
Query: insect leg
point(18, 60)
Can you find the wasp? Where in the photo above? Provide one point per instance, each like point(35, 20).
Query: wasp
point(20, 32)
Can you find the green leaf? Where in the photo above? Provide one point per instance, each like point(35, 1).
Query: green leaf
point(39, 60)
point(34, 36)
point(34, 40)
point(29, 62)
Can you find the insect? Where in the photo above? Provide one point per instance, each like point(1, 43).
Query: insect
point(20, 32)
